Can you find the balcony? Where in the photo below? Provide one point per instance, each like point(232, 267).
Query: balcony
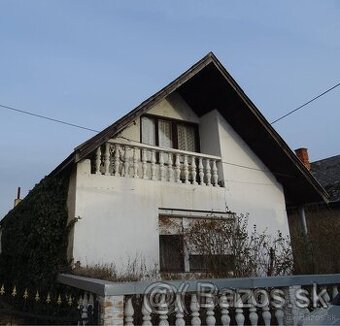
point(120, 158)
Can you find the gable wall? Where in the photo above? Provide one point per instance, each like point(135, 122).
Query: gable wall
point(174, 107)
point(250, 186)
point(119, 216)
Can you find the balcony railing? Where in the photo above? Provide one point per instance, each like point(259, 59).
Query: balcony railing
point(282, 300)
point(135, 160)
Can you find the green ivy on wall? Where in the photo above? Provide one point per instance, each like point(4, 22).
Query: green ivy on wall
point(35, 235)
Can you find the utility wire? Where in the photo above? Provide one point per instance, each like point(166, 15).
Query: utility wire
point(85, 128)
point(47, 118)
point(90, 129)
point(82, 127)
point(303, 105)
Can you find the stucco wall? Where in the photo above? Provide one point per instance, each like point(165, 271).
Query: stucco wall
point(119, 216)
point(174, 107)
point(250, 186)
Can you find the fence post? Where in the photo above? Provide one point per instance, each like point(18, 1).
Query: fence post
point(111, 310)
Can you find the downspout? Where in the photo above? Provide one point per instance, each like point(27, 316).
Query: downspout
point(303, 219)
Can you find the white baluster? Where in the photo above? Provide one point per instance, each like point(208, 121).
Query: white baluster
point(98, 160)
point(186, 169)
point(153, 164)
point(146, 312)
point(253, 317)
point(135, 162)
point(84, 314)
point(117, 160)
point(179, 311)
point(144, 163)
point(193, 170)
point(170, 168)
point(126, 161)
point(128, 313)
point(239, 311)
point(315, 296)
point(107, 159)
point(194, 307)
point(334, 291)
point(161, 166)
point(266, 315)
point(163, 312)
point(177, 169)
point(201, 170)
point(279, 314)
point(90, 307)
point(224, 305)
point(208, 172)
point(211, 320)
point(214, 174)
point(91, 300)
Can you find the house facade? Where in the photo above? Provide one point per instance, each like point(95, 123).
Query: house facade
point(197, 149)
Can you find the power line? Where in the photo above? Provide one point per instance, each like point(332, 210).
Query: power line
point(85, 128)
point(303, 105)
point(47, 118)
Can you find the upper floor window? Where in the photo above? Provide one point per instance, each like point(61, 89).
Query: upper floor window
point(168, 133)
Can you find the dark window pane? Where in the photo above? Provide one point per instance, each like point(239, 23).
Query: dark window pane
point(171, 253)
point(211, 263)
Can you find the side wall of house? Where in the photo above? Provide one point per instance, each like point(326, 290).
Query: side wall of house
point(250, 188)
point(119, 216)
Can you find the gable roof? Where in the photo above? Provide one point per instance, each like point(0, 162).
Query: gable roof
point(327, 172)
point(206, 86)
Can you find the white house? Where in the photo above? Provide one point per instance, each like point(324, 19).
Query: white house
point(198, 148)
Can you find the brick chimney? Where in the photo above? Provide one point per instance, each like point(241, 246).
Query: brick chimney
point(302, 154)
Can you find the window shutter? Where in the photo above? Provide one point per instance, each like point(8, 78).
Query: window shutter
point(186, 138)
point(171, 253)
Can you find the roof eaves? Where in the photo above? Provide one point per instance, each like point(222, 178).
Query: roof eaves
point(279, 140)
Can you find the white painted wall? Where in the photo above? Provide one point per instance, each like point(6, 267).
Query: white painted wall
point(174, 107)
point(119, 216)
point(250, 186)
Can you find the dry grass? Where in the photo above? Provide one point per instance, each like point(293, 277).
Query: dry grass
point(135, 270)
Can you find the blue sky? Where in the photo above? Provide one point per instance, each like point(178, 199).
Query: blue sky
point(89, 62)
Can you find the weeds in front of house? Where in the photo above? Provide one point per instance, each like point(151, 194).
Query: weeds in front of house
point(134, 270)
point(225, 249)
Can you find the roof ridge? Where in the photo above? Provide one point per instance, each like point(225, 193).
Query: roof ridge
point(326, 158)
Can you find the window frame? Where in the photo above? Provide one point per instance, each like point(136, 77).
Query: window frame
point(174, 124)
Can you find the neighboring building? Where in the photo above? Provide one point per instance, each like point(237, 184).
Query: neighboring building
point(320, 253)
point(327, 172)
point(198, 148)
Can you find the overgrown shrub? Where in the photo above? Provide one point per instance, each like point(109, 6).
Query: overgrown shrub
point(230, 250)
point(34, 236)
point(319, 251)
